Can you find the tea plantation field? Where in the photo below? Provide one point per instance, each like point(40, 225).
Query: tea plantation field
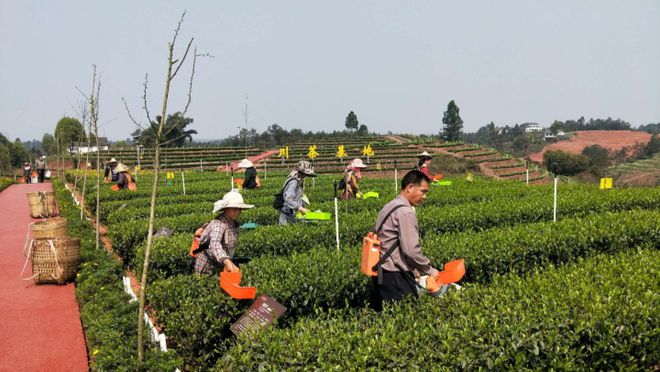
point(582, 292)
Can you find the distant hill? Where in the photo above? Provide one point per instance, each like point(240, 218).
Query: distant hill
point(610, 139)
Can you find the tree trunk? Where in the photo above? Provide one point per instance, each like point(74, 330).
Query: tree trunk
point(152, 209)
point(98, 181)
point(84, 189)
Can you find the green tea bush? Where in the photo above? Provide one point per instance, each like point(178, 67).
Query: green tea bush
point(598, 314)
point(196, 316)
point(5, 182)
point(323, 279)
point(108, 318)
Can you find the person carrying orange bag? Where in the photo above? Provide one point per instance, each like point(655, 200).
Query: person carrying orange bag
point(401, 260)
point(217, 242)
point(251, 179)
point(124, 178)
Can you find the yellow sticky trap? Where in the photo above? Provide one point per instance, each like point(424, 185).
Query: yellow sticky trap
point(605, 183)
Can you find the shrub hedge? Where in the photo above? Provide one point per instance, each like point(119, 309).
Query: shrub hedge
point(597, 314)
point(330, 279)
point(108, 318)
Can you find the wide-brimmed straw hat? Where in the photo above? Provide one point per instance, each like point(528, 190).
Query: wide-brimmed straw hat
point(305, 168)
point(231, 199)
point(425, 155)
point(357, 163)
point(121, 168)
point(113, 160)
point(245, 164)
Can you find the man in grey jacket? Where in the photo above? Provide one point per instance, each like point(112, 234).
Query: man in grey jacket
point(398, 231)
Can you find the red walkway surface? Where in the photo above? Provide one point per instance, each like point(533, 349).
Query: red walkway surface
point(254, 159)
point(40, 326)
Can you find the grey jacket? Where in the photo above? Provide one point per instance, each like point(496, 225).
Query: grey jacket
point(401, 230)
point(293, 193)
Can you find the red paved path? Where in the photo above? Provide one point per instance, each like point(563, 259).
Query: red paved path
point(40, 326)
point(254, 159)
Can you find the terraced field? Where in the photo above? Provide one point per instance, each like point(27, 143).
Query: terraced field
point(640, 173)
point(575, 294)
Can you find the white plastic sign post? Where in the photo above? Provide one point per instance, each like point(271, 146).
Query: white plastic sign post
point(336, 223)
point(183, 181)
point(554, 207)
point(527, 176)
point(396, 178)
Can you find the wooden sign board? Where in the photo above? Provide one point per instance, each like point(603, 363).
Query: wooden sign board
point(262, 313)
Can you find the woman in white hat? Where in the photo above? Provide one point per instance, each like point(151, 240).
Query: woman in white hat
point(424, 163)
point(292, 192)
point(124, 178)
point(352, 175)
point(221, 235)
point(250, 180)
point(109, 174)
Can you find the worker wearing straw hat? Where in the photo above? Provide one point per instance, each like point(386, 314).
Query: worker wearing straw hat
point(292, 192)
point(124, 178)
point(250, 180)
point(423, 164)
point(352, 176)
point(221, 235)
point(109, 174)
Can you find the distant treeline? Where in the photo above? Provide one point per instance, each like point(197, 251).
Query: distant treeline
point(592, 124)
point(653, 128)
point(275, 135)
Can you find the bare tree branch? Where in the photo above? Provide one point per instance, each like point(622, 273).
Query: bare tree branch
point(192, 76)
point(182, 59)
point(173, 139)
point(176, 31)
point(98, 93)
point(144, 97)
point(130, 115)
point(83, 94)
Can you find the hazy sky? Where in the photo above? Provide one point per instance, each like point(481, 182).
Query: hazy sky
point(306, 64)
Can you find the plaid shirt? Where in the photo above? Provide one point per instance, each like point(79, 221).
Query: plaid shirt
point(222, 237)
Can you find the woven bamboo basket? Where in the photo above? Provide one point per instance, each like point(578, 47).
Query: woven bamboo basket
point(50, 229)
point(55, 260)
point(42, 204)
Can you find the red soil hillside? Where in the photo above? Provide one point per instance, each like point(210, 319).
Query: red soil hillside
point(610, 139)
